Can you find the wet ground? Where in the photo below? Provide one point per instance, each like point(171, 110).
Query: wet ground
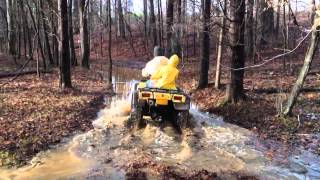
point(212, 149)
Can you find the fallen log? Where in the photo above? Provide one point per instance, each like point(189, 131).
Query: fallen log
point(13, 74)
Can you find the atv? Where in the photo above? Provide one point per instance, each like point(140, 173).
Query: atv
point(160, 105)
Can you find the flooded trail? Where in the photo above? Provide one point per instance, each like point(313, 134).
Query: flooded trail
point(212, 148)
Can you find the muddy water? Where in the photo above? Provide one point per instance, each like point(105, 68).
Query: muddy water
point(109, 150)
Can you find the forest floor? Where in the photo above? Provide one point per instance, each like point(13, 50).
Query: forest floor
point(267, 89)
point(36, 114)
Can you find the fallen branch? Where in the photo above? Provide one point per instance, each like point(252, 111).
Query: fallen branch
point(275, 90)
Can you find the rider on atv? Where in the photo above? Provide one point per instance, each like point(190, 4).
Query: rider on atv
point(159, 98)
point(165, 77)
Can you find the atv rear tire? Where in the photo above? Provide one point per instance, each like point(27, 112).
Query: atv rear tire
point(182, 119)
point(136, 115)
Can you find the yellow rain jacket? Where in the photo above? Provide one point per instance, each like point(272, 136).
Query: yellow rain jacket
point(167, 75)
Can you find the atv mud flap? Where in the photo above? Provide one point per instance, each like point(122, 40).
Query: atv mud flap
point(182, 106)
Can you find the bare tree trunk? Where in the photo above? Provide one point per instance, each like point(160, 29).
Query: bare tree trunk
point(194, 26)
point(303, 72)
point(277, 20)
point(11, 28)
point(109, 45)
point(220, 46)
point(65, 75)
point(312, 10)
point(250, 30)
point(267, 22)
point(75, 16)
point(205, 46)
point(145, 15)
point(170, 7)
point(36, 26)
point(256, 30)
point(153, 25)
point(121, 27)
point(18, 21)
point(71, 40)
point(55, 45)
point(236, 35)
point(24, 33)
point(88, 10)
point(116, 16)
point(184, 17)
point(176, 40)
point(101, 29)
point(46, 38)
point(160, 22)
point(285, 36)
point(179, 19)
point(38, 29)
point(26, 29)
point(84, 34)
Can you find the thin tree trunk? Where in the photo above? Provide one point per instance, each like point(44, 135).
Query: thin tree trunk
point(184, 17)
point(121, 27)
point(303, 73)
point(24, 36)
point(170, 8)
point(36, 26)
point(145, 15)
point(71, 40)
point(179, 19)
point(116, 16)
point(285, 36)
point(250, 29)
point(278, 20)
point(109, 44)
point(205, 46)
point(153, 25)
point(26, 29)
point(194, 26)
point(256, 30)
point(162, 28)
point(65, 74)
point(19, 33)
point(101, 30)
point(46, 38)
point(23, 24)
point(159, 23)
point(75, 16)
point(176, 40)
point(267, 22)
point(55, 45)
point(220, 46)
point(312, 10)
point(11, 28)
point(84, 34)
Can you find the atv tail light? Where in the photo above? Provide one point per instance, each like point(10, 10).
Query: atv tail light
point(177, 98)
point(146, 95)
